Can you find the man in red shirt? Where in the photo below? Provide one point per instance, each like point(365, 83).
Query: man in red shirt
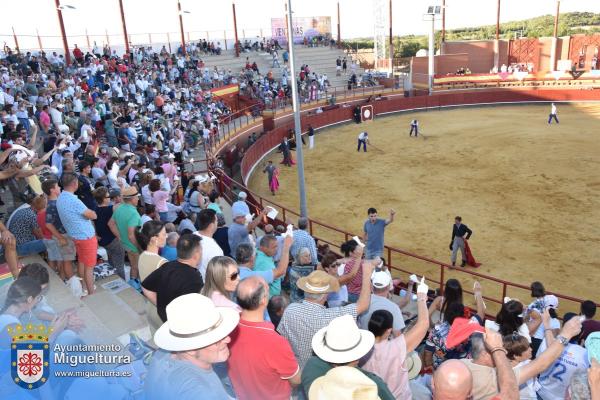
point(78, 54)
point(262, 364)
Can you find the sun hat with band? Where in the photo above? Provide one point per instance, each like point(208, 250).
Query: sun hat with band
point(129, 192)
point(343, 383)
point(413, 364)
point(318, 282)
point(194, 322)
point(342, 341)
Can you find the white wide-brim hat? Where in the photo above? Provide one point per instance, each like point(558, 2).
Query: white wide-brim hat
point(344, 383)
point(413, 364)
point(342, 341)
point(193, 322)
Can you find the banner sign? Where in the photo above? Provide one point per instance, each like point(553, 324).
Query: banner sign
point(308, 27)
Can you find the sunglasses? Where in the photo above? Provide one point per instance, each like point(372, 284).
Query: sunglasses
point(234, 276)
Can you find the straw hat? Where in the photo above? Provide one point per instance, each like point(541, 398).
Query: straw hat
point(413, 364)
point(193, 322)
point(318, 282)
point(343, 383)
point(342, 341)
point(130, 191)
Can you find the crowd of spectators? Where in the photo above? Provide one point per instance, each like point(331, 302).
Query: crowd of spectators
point(97, 150)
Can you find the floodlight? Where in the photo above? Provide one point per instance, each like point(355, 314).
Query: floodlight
point(433, 10)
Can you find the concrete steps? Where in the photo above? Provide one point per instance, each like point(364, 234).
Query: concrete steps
point(108, 316)
point(319, 59)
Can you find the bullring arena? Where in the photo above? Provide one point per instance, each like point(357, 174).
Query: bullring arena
point(529, 190)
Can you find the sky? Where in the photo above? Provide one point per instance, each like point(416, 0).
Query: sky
point(215, 16)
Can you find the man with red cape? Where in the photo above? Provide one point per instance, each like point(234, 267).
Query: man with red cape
point(460, 236)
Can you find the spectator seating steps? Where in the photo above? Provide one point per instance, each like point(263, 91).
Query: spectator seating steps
point(102, 324)
point(319, 59)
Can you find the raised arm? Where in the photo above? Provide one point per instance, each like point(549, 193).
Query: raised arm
point(8, 173)
point(33, 139)
point(406, 299)
point(534, 322)
point(46, 156)
point(555, 348)
point(252, 225)
point(415, 335)
point(391, 217)
point(507, 381)
point(4, 155)
point(357, 256)
point(479, 300)
point(364, 299)
point(285, 258)
point(29, 172)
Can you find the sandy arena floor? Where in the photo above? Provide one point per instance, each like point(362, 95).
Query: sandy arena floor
point(529, 191)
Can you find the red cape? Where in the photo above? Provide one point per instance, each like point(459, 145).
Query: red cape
point(470, 259)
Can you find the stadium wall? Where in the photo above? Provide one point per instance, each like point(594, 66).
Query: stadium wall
point(395, 104)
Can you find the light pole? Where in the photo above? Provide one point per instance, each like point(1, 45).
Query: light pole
point(237, 48)
point(339, 36)
point(59, 9)
point(125, 36)
point(180, 12)
point(296, 107)
point(432, 11)
point(554, 38)
point(497, 41)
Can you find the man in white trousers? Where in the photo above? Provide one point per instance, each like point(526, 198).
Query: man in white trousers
point(311, 137)
point(552, 114)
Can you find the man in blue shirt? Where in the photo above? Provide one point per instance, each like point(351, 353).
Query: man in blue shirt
point(77, 221)
point(374, 229)
point(303, 239)
point(245, 256)
point(238, 231)
point(264, 260)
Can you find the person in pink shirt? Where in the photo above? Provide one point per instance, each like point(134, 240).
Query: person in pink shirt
point(44, 119)
point(388, 356)
point(159, 199)
point(169, 169)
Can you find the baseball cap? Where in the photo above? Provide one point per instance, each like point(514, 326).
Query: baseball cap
point(461, 330)
point(381, 279)
point(114, 193)
point(551, 301)
point(243, 195)
point(237, 211)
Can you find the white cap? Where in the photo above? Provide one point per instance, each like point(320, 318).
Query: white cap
point(242, 195)
point(381, 279)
